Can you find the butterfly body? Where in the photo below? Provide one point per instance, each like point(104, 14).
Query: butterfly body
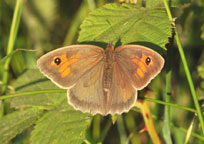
point(108, 67)
point(99, 81)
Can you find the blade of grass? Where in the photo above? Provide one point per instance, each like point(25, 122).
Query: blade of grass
point(121, 130)
point(198, 136)
point(166, 127)
point(73, 30)
point(188, 75)
point(96, 127)
point(32, 93)
point(12, 38)
point(167, 96)
point(189, 131)
point(12, 53)
point(170, 104)
point(64, 91)
point(10, 46)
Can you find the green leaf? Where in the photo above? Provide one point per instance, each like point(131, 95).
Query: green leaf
point(33, 80)
point(172, 3)
point(14, 123)
point(166, 128)
point(61, 123)
point(60, 126)
point(126, 24)
point(114, 118)
point(11, 54)
point(190, 130)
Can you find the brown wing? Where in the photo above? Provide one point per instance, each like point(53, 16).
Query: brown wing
point(87, 95)
point(122, 95)
point(139, 63)
point(65, 66)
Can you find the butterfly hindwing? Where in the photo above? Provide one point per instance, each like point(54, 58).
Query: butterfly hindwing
point(88, 95)
point(122, 94)
point(98, 81)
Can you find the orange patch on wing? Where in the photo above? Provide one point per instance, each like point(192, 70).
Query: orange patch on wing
point(140, 73)
point(66, 72)
point(140, 64)
point(64, 66)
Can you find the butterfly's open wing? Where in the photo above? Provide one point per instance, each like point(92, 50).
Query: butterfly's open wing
point(88, 95)
point(139, 63)
point(65, 66)
point(122, 95)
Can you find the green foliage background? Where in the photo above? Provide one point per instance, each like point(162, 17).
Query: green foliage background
point(38, 111)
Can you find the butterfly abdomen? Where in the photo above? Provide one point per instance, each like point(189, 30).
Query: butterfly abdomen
point(108, 74)
point(108, 67)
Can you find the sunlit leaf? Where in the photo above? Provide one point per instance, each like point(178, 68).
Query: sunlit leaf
point(60, 126)
point(14, 123)
point(189, 132)
point(126, 24)
point(33, 80)
point(61, 123)
point(172, 3)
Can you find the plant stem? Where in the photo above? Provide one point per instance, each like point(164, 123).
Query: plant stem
point(170, 104)
point(32, 93)
point(166, 127)
point(12, 38)
point(167, 95)
point(73, 30)
point(188, 75)
point(121, 130)
point(96, 127)
point(64, 91)
point(10, 47)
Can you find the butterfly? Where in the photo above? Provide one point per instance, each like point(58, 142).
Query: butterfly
point(101, 81)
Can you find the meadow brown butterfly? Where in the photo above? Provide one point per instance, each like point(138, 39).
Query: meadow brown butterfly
point(101, 81)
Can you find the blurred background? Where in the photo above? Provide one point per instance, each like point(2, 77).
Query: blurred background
point(48, 24)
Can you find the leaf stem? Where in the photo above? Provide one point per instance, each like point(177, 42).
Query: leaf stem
point(188, 75)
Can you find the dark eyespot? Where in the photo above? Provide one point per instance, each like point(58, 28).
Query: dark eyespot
point(57, 61)
point(148, 60)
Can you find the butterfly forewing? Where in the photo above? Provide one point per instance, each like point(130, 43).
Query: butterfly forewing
point(66, 65)
point(139, 63)
point(99, 81)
